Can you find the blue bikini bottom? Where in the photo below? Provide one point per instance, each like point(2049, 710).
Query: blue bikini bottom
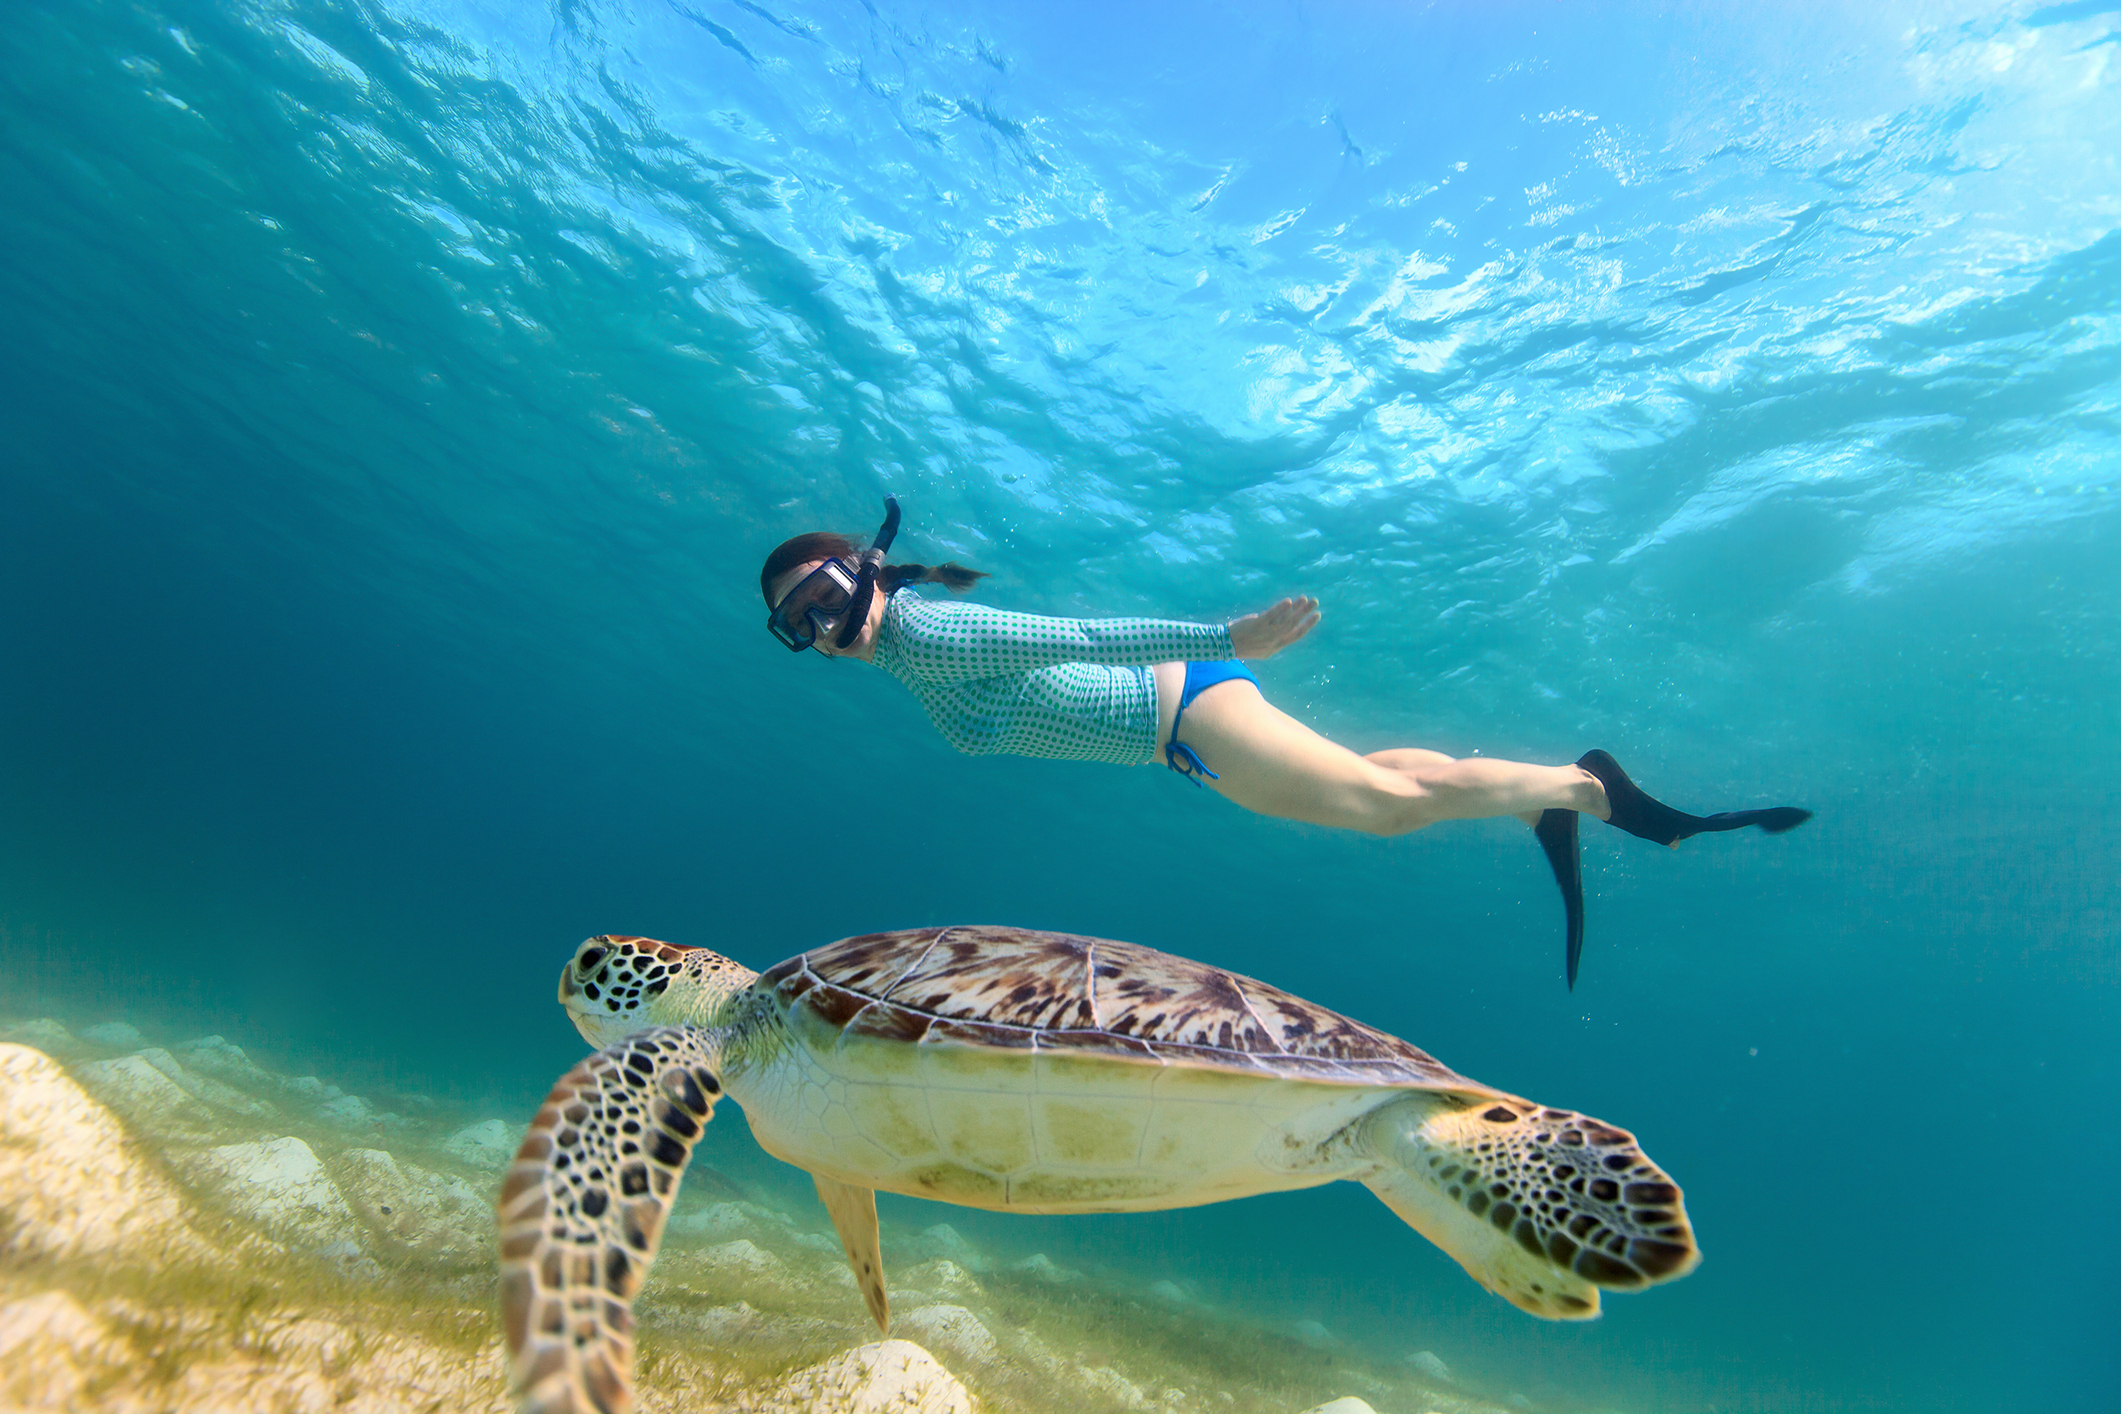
point(1199, 678)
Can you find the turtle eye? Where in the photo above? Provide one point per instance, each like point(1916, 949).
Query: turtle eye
point(588, 961)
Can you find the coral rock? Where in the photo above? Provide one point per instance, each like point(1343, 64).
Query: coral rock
point(415, 1212)
point(742, 1256)
point(1107, 1384)
point(1316, 1336)
point(216, 1056)
point(1430, 1364)
point(887, 1377)
point(489, 1144)
point(141, 1092)
point(44, 1033)
point(49, 1346)
point(69, 1183)
point(716, 1221)
point(158, 1094)
point(348, 1110)
point(280, 1185)
point(953, 1330)
point(940, 1278)
point(1039, 1265)
point(949, 1244)
point(204, 1088)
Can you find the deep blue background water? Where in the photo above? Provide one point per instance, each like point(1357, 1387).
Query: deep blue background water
point(399, 399)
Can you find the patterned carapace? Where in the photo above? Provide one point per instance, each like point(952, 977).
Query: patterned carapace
point(1018, 988)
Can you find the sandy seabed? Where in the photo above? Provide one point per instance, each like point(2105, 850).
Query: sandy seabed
point(183, 1230)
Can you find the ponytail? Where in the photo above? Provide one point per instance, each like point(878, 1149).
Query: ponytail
point(824, 545)
point(954, 577)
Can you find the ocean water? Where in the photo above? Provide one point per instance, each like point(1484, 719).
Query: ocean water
point(399, 399)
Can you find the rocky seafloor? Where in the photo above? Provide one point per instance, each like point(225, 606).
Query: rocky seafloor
point(182, 1229)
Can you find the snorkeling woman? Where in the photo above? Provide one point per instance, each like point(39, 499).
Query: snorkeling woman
point(1127, 690)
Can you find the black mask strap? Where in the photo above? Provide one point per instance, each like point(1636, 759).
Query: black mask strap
point(865, 581)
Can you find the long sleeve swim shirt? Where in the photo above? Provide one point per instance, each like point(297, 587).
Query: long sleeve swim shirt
point(1066, 689)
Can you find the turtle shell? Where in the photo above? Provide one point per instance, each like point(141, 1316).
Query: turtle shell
point(1018, 989)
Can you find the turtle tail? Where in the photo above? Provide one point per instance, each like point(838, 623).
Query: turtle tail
point(1542, 1207)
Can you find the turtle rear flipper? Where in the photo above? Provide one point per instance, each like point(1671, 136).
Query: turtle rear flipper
point(853, 1212)
point(1542, 1207)
point(582, 1210)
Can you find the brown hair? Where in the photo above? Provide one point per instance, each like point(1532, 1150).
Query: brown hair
point(824, 545)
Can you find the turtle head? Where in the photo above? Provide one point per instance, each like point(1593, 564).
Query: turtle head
point(615, 986)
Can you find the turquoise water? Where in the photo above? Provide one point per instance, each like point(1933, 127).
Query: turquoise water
point(400, 398)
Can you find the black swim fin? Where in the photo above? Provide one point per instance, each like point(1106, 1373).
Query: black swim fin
point(1639, 815)
point(1557, 836)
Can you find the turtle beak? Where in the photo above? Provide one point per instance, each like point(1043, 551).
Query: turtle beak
point(579, 1014)
point(597, 1025)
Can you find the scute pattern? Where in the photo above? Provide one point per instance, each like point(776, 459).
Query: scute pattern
point(1567, 1188)
point(582, 1210)
point(1018, 988)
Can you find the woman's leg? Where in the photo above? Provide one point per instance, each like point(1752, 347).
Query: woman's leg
point(1481, 787)
point(1273, 764)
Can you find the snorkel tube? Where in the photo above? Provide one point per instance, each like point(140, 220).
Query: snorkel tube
point(865, 581)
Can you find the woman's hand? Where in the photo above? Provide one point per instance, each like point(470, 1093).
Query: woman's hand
point(1258, 636)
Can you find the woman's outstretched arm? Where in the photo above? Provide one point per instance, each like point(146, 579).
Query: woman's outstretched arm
point(1257, 636)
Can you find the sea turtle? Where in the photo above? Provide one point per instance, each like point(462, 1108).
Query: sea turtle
point(1028, 1072)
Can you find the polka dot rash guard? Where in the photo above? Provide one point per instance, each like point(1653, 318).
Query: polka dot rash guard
point(1066, 689)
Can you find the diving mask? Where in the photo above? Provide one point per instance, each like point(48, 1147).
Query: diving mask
point(834, 596)
point(815, 606)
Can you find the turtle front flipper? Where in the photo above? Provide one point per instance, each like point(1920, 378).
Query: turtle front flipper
point(853, 1213)
point(1542, 1207)
point(582, 1210)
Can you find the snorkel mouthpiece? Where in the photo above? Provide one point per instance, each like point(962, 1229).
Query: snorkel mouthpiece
point(865, 581)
